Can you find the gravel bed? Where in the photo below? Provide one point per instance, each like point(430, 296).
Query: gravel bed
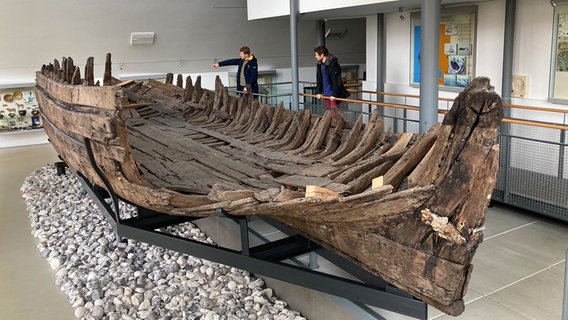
point(131, 279)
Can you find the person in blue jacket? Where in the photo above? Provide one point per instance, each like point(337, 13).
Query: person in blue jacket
point(329, 82)
point(247, 73)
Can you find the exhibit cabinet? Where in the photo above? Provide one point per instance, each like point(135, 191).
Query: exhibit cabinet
point(19, 110)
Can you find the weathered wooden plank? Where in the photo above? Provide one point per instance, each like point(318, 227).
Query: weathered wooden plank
point(254, 117)
point(411, 158)
point(69, 69)
point(89, 72)
point(320, 133)
point(332, 143)
point(276, 119)
point(107, 78)
point(369, 139)
point(167, 89)
point(277, 167)
point(319, 192)
point(169, 78)
point(364, 180)
point(197, 90)
point(253, 108)
point(303, 181)
point(261, 120)
point(223, 192)
point(310, 136)
point(55, 70)
point(426, 277)
point(288, 135)
point(321, 170)
point(301, 132)
point(93, 126)
point(349, 142)
point(64, 66)
point(188, 91)
point(179, 81)
point(282, 129)
point(386, 152)
point(74, 153)
point(99, 97)
point(203, 154)
point(266, 154)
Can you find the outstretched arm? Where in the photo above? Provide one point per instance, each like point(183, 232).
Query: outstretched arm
point(230, 62)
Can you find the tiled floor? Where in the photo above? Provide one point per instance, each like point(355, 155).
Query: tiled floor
point(519, 268)
point(27, 283)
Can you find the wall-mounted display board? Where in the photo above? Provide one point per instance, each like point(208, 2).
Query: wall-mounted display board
point(18, 110)
point(457, 46)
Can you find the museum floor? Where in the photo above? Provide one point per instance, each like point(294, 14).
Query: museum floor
point(518, 269)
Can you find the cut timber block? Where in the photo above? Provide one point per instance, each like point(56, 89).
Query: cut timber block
point(377, 183)
point(319, 192)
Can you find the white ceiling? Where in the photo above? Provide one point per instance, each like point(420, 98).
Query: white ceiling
point(385, 7)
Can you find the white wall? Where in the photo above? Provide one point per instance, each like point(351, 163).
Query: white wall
point(532, 51)
point(533, 43)
point(190, 36)
point(490, 39)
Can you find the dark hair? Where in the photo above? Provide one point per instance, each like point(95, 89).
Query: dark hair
point(245, 50)
point(321, 50)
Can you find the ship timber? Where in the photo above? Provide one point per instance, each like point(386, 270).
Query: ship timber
point(408, 208)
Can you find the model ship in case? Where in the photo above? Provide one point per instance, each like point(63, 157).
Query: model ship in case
point(409, 208)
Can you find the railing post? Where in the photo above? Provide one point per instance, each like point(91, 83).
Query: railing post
point(565, 304)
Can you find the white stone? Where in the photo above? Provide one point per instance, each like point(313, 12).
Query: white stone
point(55, 263)
point(80, 312)
point(144, 305)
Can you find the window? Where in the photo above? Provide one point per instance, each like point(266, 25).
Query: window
point(457, 41)
point(559, 66)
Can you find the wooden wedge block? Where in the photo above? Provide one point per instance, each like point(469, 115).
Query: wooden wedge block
point(319, 192)
point(377, 183)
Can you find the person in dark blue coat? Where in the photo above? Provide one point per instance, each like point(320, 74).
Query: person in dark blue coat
point(329, 82)
point(247, 73)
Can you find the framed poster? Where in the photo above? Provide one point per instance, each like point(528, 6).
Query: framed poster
point(464, 49)
point(449, 49)
point(457, 64)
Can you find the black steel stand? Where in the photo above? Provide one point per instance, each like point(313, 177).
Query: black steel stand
point(265, 259)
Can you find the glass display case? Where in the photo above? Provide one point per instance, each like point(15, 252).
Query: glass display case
point(19, 109)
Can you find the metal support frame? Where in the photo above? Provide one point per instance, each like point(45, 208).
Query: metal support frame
point(266, 259)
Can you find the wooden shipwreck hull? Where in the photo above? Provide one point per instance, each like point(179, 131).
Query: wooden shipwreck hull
point(409, 208)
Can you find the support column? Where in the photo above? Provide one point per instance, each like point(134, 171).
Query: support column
point(508, 49)
point(429, 63)
point(294, 13)
point(381, 55)
point(506, 89)
point(320, 33)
